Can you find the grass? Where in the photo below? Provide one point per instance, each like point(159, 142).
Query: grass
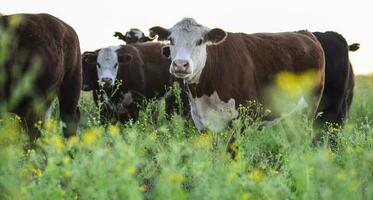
point(160, 158)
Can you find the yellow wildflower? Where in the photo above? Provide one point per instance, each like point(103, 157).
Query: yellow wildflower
point(131, 170)
point(49, 125)
point(295, 84)
point(153, 136)
point(175, 178)
point(204, 139)
point(232, 176)
point(73, 140)
point(66, 160)
point(256, 175)
point(37, 171)
point(91, 135)
point(113, 129)
point(68, 174)
point(57, 141)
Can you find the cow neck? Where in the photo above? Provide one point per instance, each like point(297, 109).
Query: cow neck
point(211, 77)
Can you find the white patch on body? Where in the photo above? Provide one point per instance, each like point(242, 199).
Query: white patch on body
point(107, 63)
point(211, 112)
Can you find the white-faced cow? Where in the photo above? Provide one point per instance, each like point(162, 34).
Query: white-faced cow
point(44, 58)
point(134, 35)
point(224, 70)
point(129, 75)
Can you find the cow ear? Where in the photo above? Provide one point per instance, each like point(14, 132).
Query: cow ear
point(124, 58)
point(148, 39)
point(120, 36)
point(89, 57)
point(89, 70)
point(216, 36)
point(161, 32)
point(166, 51)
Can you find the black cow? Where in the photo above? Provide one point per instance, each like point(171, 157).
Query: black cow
point(339, 78)
point(134, 35)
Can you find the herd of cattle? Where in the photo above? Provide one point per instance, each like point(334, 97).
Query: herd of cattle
point(218, 71)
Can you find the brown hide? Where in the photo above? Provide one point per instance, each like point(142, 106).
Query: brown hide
point(243, 65)
point(56, 45)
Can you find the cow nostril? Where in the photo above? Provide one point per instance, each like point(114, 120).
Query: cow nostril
point(107, 80)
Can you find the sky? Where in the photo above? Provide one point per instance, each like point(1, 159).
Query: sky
point(96, 21)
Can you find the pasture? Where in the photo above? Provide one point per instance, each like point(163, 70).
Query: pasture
point(159, 157)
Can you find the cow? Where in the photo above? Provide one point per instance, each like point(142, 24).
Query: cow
point(129, 74)
point(224, 70)
point(44, 59)
point(339, 78)
point(134, 35)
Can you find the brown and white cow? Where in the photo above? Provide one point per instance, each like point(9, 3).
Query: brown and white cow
point(224, 70)
point(129, 75)
point(44, 59)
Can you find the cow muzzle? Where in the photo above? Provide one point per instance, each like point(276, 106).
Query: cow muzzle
point(107, 81)
point(180, 67)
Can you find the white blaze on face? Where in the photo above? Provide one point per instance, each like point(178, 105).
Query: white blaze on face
point(107, 64)
point(187, 44)
point(137, 33)
point(211, 112)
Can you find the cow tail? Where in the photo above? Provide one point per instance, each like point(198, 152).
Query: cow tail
point(354, 47)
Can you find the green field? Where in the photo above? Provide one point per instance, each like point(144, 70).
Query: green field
point(161, 158)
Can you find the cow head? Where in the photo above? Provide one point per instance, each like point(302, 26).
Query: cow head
point(134, 35)
point(187, 48)
point(106, 62)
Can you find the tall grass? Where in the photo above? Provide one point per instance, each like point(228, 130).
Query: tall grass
point(166, 158)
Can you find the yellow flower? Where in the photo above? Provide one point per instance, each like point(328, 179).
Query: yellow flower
point(175, 178)
point(57, 141)
point(49, 125)
point(232, 176)
point(256, 175)
point(131, 170)
point(204, 139)
point(37, 171)
point(66, 160)
point(295, 84)
point(68, 174)
point(91, 135)
point(73, 140)
point(153, 136)
point(113, 129)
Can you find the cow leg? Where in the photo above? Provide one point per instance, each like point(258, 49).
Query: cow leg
point(69, 98)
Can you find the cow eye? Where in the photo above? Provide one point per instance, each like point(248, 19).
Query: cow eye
point(98, 65)
point(199, 42)
point(116, 65)
point(172, 42)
